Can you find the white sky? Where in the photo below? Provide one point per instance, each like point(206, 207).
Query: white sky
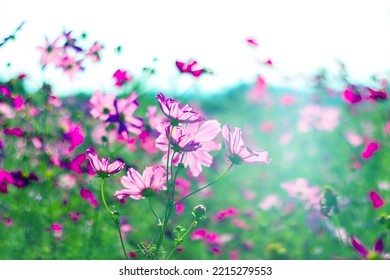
point(299, 36)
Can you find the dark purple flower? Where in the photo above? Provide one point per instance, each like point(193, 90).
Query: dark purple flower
point(375, 253)
point(124, 116)
point(14, 131)
point(376, 94)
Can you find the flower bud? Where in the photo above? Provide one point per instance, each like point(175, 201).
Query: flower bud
point(199, 212)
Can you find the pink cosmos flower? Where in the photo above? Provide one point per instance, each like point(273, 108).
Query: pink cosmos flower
point(138, 187)
point(94, 52)
point(377, 201)
point(375, 253)
point(51, 52)
point(238, 152)
point(195, 140)
point(192, 67)
point(121, 77)
point(177, 113)
point(370, 149)
point(70, 66)
point(102, 105)
point(351, 97)
point(102, 166)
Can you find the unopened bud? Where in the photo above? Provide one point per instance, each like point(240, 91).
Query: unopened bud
point(199, 211)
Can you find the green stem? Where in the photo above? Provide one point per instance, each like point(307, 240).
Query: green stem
point(153, 211)
point(208, 185)
point(169, 204)
point(180, 240)
point(114, 217)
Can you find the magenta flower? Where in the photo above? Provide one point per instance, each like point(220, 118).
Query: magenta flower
point(16, 178)
point(102, 166)
point(259, 92)
point(376, 94)
point(369, 150)
point(121, 77)
point(17, 100)
point(373, 254)
point(351, 97)
point(376, 200)
point(195, 140)
point(238, 152)
point(177, 113)
point(139, 187)
point(87, 195)
point(192, 67)
point(16, 131)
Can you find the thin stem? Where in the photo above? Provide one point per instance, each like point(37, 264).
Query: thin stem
point(153, 211)
point(193, 224)
point(169, 205)
point(208, 185)
point(114, 217)
point(103, 197)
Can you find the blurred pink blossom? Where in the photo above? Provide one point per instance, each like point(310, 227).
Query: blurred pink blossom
point(270, 201)
point(102, 105)
point(300, 189)
point(353, 138)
